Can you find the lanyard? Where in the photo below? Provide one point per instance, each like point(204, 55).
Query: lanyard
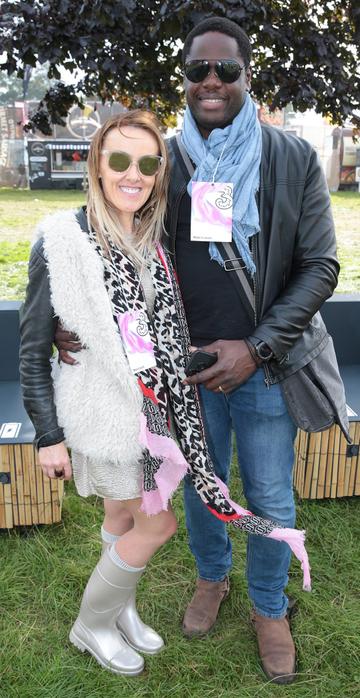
point(218, 163)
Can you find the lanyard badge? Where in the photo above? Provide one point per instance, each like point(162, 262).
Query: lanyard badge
point(137, 341)
point(211, 211)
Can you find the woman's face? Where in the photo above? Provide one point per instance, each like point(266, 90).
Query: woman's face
point(127, 191)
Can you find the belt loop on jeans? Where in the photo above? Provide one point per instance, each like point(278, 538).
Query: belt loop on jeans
point(234, 267)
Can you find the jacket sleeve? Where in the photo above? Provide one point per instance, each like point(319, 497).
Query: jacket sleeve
point(37, 329)
point(313, 275)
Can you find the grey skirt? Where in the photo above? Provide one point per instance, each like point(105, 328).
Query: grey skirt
point(108, 480)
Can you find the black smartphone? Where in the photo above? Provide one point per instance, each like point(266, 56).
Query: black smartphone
point(199, 361)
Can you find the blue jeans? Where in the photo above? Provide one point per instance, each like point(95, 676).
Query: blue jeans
point(265, 437)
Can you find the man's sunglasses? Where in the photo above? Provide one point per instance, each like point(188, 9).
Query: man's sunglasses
point(147, 165)
point(226, 70)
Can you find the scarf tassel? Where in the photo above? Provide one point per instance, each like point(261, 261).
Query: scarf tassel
point(294, 538)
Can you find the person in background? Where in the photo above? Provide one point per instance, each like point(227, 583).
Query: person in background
point(21, 182)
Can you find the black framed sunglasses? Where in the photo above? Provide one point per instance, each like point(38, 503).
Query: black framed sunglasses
point(227, 70)
point(148, 165)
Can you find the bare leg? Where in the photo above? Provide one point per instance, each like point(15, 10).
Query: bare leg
point(148, 534)
point(118, 520)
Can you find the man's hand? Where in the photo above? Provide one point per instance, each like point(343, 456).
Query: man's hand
point(233, 367)
point(55, 461)
point(66, 341)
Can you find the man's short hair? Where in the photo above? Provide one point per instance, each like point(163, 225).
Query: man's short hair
point(224, 26)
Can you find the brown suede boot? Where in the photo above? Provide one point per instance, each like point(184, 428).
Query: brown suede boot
point(203, 609)
point(276, 647)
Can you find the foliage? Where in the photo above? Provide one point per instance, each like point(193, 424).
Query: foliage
point(305, 52)
point(12, 87)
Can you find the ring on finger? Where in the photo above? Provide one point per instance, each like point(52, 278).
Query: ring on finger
point(220, 389)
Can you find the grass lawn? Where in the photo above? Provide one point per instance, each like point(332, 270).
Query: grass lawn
point(44, 569)
point(22, 209)
point(346, 208)
point(20, 212)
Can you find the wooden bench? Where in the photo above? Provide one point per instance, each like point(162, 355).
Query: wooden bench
point(326, 465)
point(26, 496)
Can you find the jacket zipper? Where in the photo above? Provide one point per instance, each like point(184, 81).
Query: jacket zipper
point(253, 250)
point(267, 379)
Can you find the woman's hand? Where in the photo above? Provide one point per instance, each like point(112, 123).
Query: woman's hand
point(55, 461)
point(65, 342)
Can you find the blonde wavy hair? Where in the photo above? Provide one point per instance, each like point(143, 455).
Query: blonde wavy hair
point(101, 213)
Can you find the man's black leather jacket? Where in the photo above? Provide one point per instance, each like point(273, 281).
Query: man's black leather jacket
point(295, 251)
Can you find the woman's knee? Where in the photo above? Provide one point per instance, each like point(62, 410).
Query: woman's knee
point(116, 513)
point(161, 528)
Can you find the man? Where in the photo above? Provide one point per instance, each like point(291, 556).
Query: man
point(21, 182)
point(296, 270)
point(285, 246)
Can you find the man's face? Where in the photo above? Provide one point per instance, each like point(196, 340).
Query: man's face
point(214, 104)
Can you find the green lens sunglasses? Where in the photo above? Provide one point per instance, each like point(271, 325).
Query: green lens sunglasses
point(147, 165)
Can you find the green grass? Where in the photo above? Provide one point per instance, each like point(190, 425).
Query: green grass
point(346, 208)
point(13, 269)
point(21, 211)
point(44, 569)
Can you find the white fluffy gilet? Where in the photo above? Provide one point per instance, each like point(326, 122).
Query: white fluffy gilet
point(98, 401)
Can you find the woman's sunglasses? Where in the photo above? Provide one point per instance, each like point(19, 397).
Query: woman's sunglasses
point(147, 165)
point(226, 70)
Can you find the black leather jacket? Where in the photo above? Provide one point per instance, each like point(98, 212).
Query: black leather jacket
point(37, 329)
point(295, 251)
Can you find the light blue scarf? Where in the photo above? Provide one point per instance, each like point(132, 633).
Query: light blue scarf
point(239, 163)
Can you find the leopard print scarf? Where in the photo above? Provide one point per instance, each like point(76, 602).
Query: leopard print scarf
point(164, 463)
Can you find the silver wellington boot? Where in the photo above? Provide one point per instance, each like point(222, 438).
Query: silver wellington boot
point(138, 635)
point(95, 629)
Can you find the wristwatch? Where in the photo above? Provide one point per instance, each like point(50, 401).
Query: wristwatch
point(263, 351)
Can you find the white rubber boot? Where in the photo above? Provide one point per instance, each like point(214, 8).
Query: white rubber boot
point(138, 635)
point(95, 631)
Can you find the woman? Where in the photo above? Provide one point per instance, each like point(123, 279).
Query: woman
point(104, 274)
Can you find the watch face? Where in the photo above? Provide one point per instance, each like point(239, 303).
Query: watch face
point(263, 351)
